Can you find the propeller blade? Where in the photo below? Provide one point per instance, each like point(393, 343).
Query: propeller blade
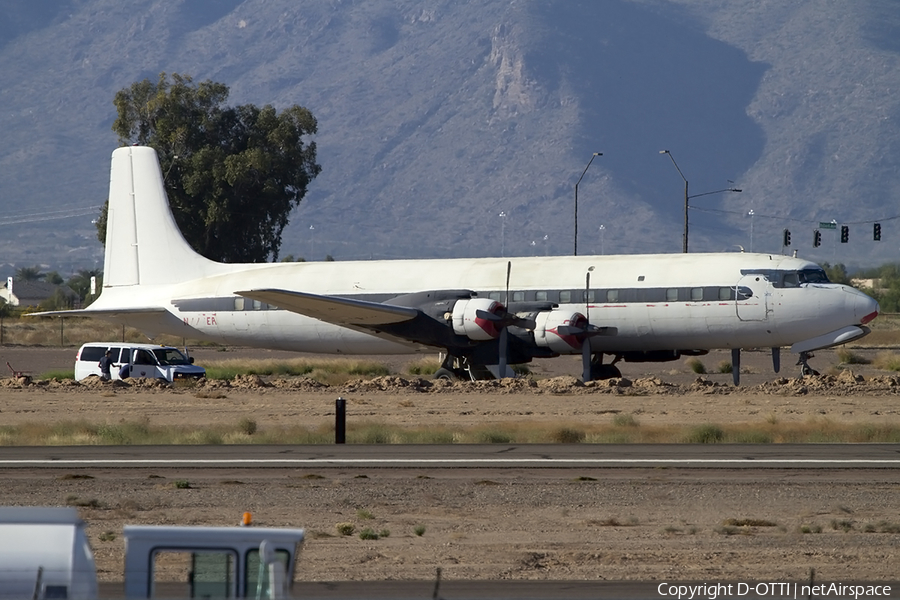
point(776, 359)
point(488, 316)
point(586, 361)
point(588, 331)
point(508, 273)
point(736, 365)
point(503, 342)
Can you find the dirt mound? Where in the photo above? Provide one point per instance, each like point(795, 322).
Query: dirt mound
point(15, 382)
point(249, 381)
point(387, 383)
point(705, 386)
point(845, 383)
point(304, 384)
point(564, 384)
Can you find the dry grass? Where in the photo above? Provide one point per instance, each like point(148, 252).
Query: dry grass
point(848, 357)
point(335, 371)
point(73, 332)
point(888, 361)
point(142, 432)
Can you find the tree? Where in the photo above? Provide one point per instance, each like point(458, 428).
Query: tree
point(6, 310)
point(54, 277)
point(232, 174)
point(29, 274)
point(81, 285)
point(837, 273)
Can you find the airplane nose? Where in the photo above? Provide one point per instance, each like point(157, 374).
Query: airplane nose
point(865, 308)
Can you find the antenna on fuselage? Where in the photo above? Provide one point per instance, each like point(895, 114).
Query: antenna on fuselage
point(741, 247)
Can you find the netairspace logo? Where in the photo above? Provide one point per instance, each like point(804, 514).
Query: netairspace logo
point(712, 591)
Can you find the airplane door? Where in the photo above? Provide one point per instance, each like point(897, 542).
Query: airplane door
point(752, 298)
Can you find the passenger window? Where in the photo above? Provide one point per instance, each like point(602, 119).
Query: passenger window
point(565, 296)
point(612, 295)
point(144, 358)
point(587, 295)
point(696, 294)
point(672, 295)
point(257, 305)
point(238, 303)
point(724, 293)
point(494, 296)
point(791, 280)
point(540, 296)
point(518, 296)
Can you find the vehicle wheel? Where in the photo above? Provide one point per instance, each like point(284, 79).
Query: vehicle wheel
point(445, 374)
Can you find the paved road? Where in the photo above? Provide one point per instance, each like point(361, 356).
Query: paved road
point(550, 590)
point(491, 456)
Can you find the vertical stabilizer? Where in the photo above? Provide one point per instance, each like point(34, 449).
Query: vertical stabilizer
point(143, 244)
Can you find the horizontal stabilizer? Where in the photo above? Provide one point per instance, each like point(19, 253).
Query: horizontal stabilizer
point(334, 309)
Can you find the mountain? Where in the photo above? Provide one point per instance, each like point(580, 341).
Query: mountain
point(434, 119)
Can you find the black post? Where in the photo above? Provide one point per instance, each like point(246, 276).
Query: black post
point(340, 421)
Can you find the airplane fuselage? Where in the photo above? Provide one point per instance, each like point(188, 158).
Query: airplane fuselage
point(659, 302)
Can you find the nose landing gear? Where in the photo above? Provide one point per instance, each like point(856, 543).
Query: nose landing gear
point(805, 369)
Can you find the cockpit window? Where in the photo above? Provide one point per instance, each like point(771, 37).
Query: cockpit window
point(789, 279)
point(813, 276)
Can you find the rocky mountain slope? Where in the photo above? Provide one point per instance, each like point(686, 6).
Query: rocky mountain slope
point(435, 119)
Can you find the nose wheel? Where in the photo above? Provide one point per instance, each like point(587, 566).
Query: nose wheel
point(803, 363)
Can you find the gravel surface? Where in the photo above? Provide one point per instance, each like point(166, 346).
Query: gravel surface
point(612, 524)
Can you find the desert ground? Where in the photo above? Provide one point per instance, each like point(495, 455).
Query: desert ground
point(567, 524)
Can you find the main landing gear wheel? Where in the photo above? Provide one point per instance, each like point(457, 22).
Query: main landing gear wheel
point(805, 369)
point(445, 374)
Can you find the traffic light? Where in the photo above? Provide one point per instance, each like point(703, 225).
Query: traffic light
point(876, 232)
point(817, 238)
point(787, 237)
point(845, 234)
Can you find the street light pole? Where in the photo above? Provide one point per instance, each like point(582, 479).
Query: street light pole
point(595, 155)
point(684, 240)
point(502, 216)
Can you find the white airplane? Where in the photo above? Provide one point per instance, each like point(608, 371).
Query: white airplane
point(484, 313)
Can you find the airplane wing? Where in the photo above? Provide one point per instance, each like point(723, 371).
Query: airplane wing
point(110, 312)
point(334, 309)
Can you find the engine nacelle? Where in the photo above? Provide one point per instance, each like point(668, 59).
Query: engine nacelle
point(466, 322)
point(547, 336)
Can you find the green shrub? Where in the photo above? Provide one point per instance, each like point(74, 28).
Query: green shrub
point(695, 365)
point(705, 434)
point(247, 425)
point(624, 420)
point(567, 435)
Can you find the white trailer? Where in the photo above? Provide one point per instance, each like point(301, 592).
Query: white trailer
point(209, 562)
point(44, 554)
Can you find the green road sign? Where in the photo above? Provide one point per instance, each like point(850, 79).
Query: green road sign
point(827, 225)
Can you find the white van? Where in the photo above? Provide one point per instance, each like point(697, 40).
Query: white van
point(143, 360)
